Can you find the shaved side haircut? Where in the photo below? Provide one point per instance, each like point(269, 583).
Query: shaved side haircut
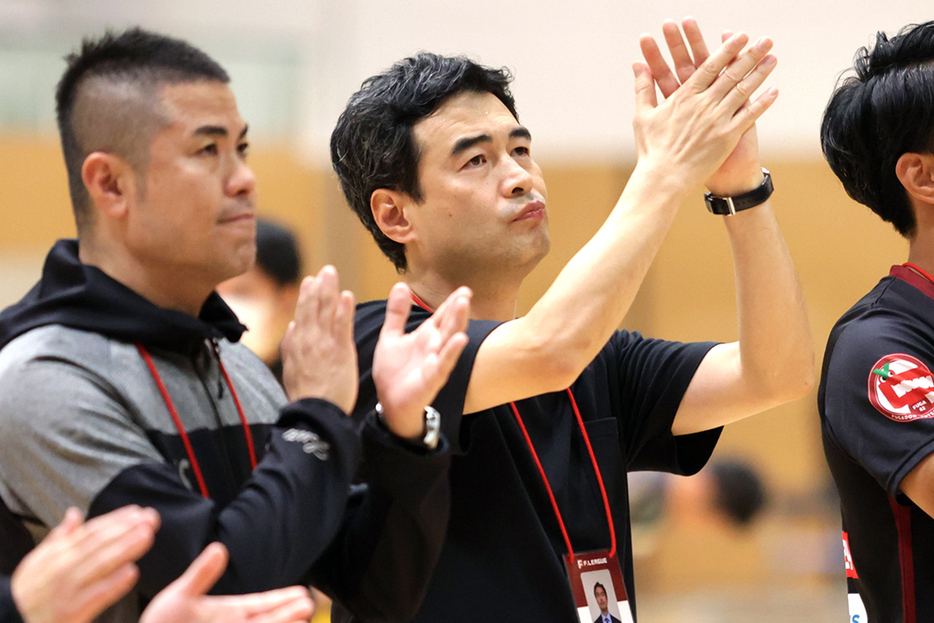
point(108, 100)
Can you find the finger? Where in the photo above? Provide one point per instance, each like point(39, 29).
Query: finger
point(740, 94)
point(749, 114)
point(667, 82)
point(709, 71)
point(726, 34)
point(680, 56)
point(306, 308)
point(67, 525)
point(111, 541)
point(745, 74)
point(329, 294)
point(458, 314)
point(695, 39)
point(446, 318)
point(298, 611)
point(204, 572)
point(398, 306)
point(343, 317)
point(447, 359)
point(646, 99)
point(96, 597)
point(259, 603)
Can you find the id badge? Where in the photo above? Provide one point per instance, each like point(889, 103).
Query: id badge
point(597, 585)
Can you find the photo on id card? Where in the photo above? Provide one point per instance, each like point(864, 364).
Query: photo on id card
point(597, 585)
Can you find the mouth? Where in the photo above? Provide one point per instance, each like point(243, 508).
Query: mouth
point(534, 210)
point(236, 217)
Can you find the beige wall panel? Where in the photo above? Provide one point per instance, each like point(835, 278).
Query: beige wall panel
point(35, 207)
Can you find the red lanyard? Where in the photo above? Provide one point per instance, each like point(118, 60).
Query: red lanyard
point(541, 470)
point(195, 466)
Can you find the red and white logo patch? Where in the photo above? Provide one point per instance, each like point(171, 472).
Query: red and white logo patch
point(902, 388)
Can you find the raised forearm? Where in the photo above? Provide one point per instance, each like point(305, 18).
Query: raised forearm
point(775, 347)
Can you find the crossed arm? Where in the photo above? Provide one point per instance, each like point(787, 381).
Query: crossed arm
point(703, 131)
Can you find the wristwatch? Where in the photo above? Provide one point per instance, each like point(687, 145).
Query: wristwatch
point(431, 434)
point(731, 205)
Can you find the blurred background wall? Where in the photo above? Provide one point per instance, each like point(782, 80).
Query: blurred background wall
point(295, 62)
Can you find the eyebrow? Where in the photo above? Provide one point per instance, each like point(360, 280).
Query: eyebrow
point(219, 130)
point(469, 141)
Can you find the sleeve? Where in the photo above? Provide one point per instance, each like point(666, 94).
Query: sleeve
point(379, 565)
point(66, 440)
point(8, 611)
point(650, 379)
point(450, 400)
point(878, 401)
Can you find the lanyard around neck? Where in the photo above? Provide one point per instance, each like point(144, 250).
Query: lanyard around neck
point(195, 466)
point(541, 469)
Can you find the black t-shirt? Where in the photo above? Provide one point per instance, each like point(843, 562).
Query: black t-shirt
point(502, 558)
point(875, 401)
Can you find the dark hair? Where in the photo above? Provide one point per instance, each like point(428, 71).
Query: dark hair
point(277, 253)
point(598, 585)
point(140, 60)
point(373, 146)
point(739, 492)
point(882, 112)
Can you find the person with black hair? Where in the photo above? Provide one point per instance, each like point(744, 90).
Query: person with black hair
point(264, 297)
point(122, 380)
point(547, 412)
point(599, 593)
point(875, 398)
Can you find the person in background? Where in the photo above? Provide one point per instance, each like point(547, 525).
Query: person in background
point(264, 297)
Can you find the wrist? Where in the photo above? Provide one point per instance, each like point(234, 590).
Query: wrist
point(426, 433)
point(731, 204)
point(737, 184)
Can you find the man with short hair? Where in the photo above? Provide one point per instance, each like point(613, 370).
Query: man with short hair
point(548, 411)
point(599, 593)
point(875, 397)
point(122, 382)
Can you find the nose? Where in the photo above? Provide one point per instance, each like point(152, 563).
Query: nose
point(517, 180)
point(242, 180)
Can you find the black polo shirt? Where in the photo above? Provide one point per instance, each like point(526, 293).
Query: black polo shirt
point(502, 558)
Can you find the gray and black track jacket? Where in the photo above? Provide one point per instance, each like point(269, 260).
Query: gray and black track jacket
point(83, 423)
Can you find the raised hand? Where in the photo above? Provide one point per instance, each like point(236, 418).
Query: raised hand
point(319, 359)
point(410, 368)
point(80, 569)
point(185, 599)
point(707, 109)
point(741, 170)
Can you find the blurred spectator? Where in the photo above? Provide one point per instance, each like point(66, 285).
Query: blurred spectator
point(728, 493)
point(264, 298)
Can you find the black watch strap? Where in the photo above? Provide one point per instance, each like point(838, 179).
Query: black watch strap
point(731, 205)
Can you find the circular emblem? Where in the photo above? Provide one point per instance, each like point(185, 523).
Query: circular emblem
point(902, 388)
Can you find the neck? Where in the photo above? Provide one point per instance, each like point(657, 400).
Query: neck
point(166, 288)
point(921, 250)
point(492, 299)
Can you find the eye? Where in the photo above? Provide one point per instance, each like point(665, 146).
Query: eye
point(521, 151)
point(209, 150)
point(476, 161)
point(243, 149)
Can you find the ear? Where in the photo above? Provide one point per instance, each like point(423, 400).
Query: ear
point(110, 182)
point(916, 174)
point(389, 212)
